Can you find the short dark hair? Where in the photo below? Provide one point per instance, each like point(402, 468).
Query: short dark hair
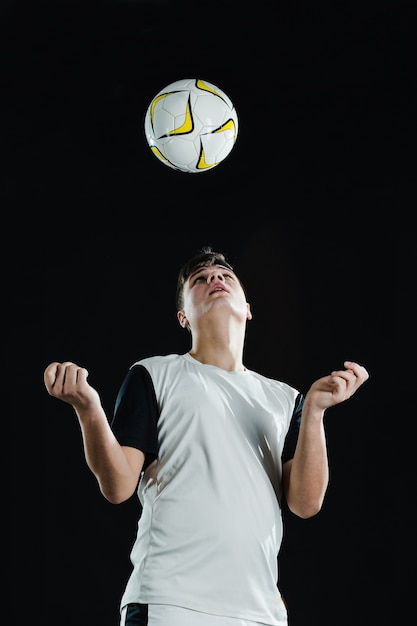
point(205, 257)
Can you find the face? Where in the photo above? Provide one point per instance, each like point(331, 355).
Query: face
point(209, 290)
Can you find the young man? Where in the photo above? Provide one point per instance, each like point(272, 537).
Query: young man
point(212, 448)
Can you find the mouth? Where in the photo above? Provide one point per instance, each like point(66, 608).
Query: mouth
point(217, 288)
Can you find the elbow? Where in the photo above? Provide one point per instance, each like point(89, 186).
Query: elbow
point(116, 496)
point(114, 499)
point(305, 509)
point(306, 512)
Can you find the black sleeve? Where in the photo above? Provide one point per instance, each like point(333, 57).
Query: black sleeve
point(135, 417)
point(292, 434)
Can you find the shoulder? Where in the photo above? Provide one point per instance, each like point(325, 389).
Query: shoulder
point(159, 360)
point(276, 386)
point(165, 371)
point(161, 365)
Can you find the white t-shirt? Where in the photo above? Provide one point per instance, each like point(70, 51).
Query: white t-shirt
point(211, 526)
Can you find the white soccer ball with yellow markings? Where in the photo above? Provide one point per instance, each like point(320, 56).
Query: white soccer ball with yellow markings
point(191, 125)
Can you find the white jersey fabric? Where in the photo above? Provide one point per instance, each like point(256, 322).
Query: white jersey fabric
point(211, 527)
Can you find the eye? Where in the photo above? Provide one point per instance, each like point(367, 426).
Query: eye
point(200, 279)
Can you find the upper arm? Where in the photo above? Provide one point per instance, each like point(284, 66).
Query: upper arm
point(291, 442)
point(135, 418)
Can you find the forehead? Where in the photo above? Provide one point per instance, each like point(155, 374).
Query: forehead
point(210, 268)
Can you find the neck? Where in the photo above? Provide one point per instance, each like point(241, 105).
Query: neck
point(222, 350)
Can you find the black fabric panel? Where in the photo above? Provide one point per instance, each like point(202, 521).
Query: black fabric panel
point(135, 418)
point(292, 434)
point(136, 615)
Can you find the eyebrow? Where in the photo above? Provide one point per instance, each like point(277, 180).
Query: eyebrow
point(206, 267)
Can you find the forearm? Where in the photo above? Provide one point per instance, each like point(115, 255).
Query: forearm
point(309, 474)
point(105, 457)
point(306, 476)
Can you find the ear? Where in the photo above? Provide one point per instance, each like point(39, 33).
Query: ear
point(248, 312)
point(182, 319)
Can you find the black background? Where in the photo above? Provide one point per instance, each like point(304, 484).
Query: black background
point(314, 207)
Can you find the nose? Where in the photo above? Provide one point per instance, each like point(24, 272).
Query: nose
point(215, 275)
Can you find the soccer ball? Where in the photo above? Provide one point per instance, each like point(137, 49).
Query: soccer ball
point(191, 125)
